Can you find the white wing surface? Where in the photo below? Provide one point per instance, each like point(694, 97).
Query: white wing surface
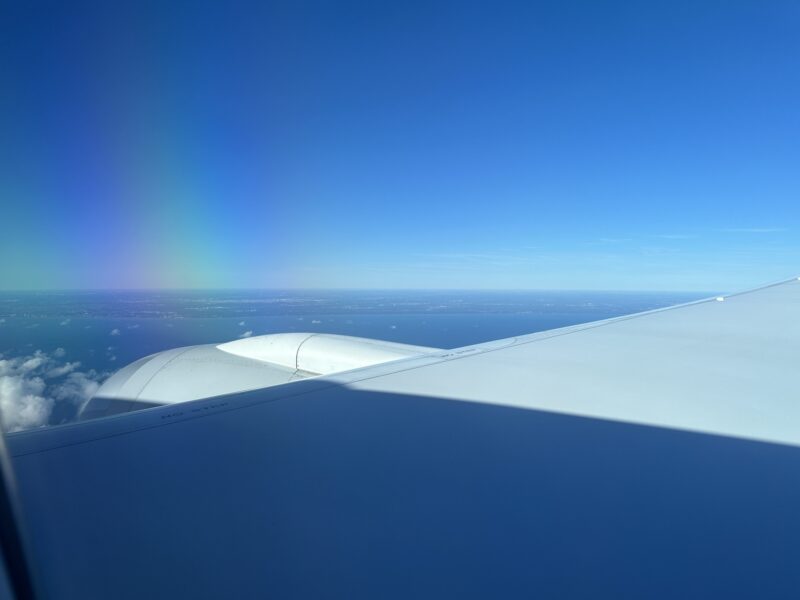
point(646, 456)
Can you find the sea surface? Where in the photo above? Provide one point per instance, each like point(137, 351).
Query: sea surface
point(56, 348)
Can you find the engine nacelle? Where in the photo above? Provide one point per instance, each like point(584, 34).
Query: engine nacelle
point(209, 370)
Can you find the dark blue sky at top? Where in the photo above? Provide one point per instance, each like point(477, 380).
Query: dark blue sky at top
point(627, 145)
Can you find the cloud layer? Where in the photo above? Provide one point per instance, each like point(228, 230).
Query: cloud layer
point(30, 386)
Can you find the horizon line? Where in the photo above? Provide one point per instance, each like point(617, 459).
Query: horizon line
point(344, 289)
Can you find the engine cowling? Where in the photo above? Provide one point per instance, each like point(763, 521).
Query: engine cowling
point(209, 370)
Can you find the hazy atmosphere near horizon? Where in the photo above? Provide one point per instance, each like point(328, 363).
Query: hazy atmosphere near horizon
point(261, 167)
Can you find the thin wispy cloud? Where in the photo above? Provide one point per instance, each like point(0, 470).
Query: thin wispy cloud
point(476, 256)
point(755, 230)
point(475, 260)
point(674, 236)
point(606, 240)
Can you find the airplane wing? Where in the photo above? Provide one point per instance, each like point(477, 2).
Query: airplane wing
point(654, 455)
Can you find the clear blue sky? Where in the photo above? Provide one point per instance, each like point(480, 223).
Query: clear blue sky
point(590, 145)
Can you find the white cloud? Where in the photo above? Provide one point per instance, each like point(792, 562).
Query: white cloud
point(22, 401)
point(246, 334)
point(241, 323)
point(316, 322)
point(31, 385)
point(33, 363)
point(134, 326)
point(65, 322)
point(115, 331)
point(77, 387)
point(63, 369)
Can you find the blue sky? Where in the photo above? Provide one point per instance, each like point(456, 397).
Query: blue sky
point(582, 145)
